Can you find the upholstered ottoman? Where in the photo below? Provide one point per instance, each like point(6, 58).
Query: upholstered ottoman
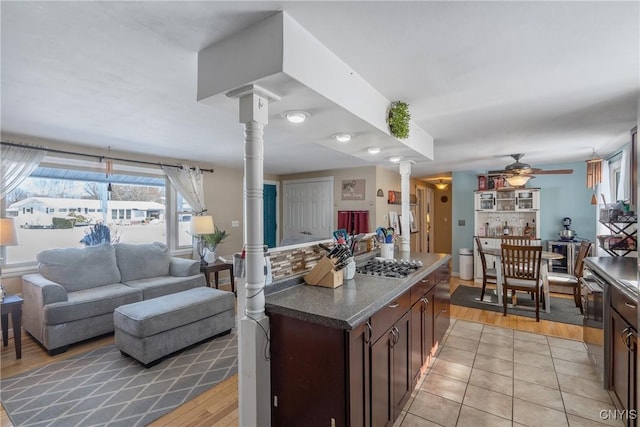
point(152, 329)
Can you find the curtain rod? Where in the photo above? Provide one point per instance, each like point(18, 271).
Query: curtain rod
point(95, 156)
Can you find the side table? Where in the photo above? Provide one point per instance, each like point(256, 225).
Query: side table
point(12, 304)
point(216, 267)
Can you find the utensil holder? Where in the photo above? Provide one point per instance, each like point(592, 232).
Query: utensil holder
point(324, 275)
point(350, 270)
point(386, 251)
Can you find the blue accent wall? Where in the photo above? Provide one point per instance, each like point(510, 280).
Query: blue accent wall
point(560, 196)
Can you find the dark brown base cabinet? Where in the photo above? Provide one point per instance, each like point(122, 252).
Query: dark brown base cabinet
point(623, 351)
point(323, 376)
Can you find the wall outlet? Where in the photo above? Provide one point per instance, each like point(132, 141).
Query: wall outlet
point(235, 223)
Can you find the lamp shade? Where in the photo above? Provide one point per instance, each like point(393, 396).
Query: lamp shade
point(202, 225)
point(8, 233)
point(441, 185)
point(518, 180)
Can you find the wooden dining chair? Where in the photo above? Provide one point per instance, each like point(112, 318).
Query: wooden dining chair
point(572, 280)
point(516, 240)
point(521, 272)
point(489, 275)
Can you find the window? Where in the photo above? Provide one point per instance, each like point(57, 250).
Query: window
point(615, 172)
point(54, 208)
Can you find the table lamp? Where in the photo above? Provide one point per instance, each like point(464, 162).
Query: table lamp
point(201, 225)
point(8, 237)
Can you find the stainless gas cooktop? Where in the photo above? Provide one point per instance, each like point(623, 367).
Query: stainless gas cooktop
point(392, 268)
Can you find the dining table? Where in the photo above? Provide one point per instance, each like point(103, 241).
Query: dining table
point(547, 257)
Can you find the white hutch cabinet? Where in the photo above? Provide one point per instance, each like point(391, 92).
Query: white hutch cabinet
point(517, 209)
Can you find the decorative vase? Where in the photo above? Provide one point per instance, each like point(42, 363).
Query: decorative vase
point(210, 255)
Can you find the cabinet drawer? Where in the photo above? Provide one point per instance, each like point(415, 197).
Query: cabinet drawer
point(627, 307)
point(421, 287)
point(389, 314)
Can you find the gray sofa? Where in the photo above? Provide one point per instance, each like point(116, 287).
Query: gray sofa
point(76, 291)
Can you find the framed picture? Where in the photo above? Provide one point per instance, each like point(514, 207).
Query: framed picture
point(413, 223)
point(353, 189)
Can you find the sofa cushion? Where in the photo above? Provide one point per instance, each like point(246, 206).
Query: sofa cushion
point(159, 286)
point(142, 261)
point(90, 303)
point(80, 268)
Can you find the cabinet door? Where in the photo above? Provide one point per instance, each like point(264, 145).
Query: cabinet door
point(442, 299)
point(381, 411)
point(400, 361)
point(485, 201)
point(359, 386)
point(421, 334)
point(619, 359)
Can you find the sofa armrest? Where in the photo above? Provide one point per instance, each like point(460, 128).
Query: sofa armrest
point(182, 267)
point(36, 293)
point(42, 291)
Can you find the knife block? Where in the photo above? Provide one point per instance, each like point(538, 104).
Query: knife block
point(323, 274)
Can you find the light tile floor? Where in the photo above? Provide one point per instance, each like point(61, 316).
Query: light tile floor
point(489, 376)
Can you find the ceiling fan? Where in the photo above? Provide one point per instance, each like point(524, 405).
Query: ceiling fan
point(518, 173)
point(519, 168)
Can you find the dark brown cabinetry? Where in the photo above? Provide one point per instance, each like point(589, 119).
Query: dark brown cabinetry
point(390, 379)
point(623, 366)
point(360, 377)
point(442, 297)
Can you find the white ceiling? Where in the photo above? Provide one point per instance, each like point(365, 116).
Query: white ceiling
point(553, 80)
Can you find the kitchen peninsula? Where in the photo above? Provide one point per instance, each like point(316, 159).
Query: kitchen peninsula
point(352, 355)
point(618, 276)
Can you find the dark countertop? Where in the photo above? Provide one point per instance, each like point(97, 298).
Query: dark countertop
point(352, 303)
point(621, 272)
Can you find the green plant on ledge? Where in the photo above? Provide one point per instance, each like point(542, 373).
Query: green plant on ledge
point(398, 119)
point(214, 239)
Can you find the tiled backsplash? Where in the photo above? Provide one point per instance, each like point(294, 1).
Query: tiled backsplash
point(288, 262)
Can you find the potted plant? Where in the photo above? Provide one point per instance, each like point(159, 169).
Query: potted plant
point(398, 119)
point(211, 241)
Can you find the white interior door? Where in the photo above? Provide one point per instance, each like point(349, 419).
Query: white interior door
point(307, 209)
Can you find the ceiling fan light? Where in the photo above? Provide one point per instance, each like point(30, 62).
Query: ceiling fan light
point(518, 180)
point(296, 116)
point(373, 150)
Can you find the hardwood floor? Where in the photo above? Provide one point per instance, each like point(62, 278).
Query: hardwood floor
point(219, 406)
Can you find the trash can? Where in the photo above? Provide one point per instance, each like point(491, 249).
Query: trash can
point(466, 264)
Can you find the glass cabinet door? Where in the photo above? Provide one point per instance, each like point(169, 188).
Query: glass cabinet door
point(486, 201)
point(526, 200)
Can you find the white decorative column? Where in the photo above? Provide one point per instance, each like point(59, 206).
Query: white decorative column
point(405, 224)
point(253, 366)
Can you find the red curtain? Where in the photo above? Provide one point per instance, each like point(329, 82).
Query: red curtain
point(354, 221)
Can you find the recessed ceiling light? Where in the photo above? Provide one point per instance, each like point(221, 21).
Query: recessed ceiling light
point(373, 150)
point(342, 137)
point(395, 159)
point(296, 116)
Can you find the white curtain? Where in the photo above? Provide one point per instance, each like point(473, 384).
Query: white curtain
point(16, 164)
point(188, 182)
point(603, 189)
point(624, 185)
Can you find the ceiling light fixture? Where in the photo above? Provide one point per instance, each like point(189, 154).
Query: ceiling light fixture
point(518, 180)
point(395, 159)
point(342, 137)
point(373, 150)
point(296, 116)
point(441, 185)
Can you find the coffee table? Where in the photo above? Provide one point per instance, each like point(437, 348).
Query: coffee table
point(12, 304)
point(215, 268)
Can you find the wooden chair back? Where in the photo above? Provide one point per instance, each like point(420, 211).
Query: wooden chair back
point(483, 260)
point(521, 262)
point(516, 240)
point(583, 251)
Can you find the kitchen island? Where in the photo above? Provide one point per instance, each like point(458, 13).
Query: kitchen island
point(352, 355)
point(618, 278)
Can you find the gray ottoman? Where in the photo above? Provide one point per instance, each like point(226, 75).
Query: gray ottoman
point(152, 329)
